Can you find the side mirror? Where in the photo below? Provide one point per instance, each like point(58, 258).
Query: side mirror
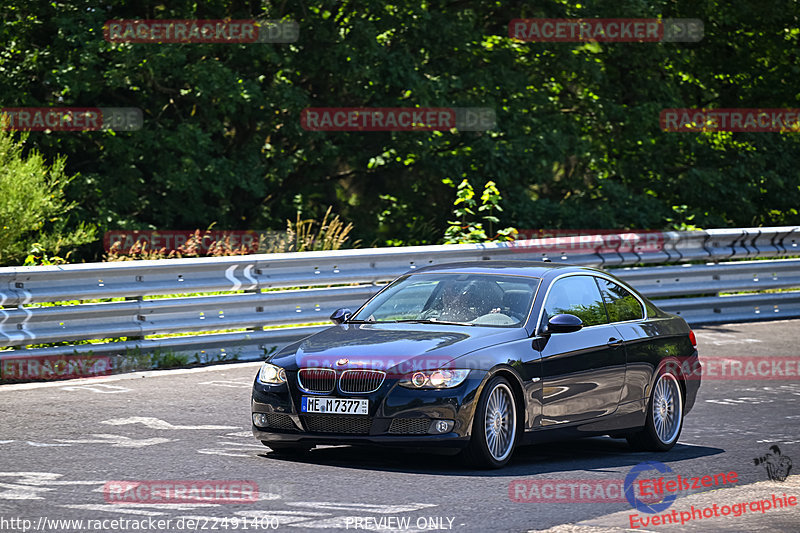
point(563, 323)
point(341, 315)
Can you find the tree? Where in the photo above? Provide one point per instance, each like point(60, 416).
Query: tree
point(577, 142)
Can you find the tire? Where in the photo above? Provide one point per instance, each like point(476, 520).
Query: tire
point(494, 427)
point(287, 449)
point(664, 416)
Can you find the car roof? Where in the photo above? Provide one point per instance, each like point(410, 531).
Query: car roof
point(531, 268)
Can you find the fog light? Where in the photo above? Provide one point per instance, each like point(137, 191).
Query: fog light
point(259, 419)
point(441, 426)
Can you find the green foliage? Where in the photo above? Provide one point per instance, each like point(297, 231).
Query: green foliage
point(467, 229)
point(34, 224)
point(577, 142)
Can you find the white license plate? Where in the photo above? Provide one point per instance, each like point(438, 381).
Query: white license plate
point(336, 406)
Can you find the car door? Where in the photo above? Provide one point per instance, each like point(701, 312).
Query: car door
point(583, 372)
point(643, 345)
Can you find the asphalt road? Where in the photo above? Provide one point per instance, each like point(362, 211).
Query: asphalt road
point(62, 443)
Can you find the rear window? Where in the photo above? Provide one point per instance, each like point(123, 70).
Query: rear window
point(621, 304)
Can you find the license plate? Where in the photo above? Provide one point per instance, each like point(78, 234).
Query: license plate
point(336, 406)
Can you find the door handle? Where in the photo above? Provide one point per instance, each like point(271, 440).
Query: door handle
point(613, 342)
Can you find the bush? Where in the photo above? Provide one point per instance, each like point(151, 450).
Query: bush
point(466, 229)
point(34, 225)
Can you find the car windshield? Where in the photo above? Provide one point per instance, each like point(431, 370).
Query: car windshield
point(455, 298)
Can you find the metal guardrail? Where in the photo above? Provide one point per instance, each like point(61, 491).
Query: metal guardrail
point(253, 299)
point(26, 285)
point(688, 279)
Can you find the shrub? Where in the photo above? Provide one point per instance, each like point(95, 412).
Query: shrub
point(34, 215)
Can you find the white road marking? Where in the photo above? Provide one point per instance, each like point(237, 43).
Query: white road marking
point(281, 517)
point(222, 452)
point(118, 441)
point(124, 509)
point(21, 492)
point(6, 441)
point(737, 401)
point(783, 439)
point(76, 483)
point(248, 434)
point(203, 523)
point(720, 339)
point(44, 444)
point(128, 376)
point(167, 506)
point(228, 383)
point(269, 496)
point(157, 423)
point(32, 478)
point(364, 507)
point(373, 523)
point(244, 444)
point(100, 388)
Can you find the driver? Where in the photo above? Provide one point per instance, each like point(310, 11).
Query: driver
point(455, 303)
point(464, 302)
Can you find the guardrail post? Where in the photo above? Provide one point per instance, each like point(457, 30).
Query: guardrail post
point(135, 299)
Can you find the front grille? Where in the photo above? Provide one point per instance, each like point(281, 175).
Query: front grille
point(317, 379)
point(410, 426)
point(279, 421)
point(361, 381)
point(338, 424)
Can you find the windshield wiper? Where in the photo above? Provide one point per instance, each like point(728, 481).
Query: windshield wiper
point(429, 321)
point(356, 321)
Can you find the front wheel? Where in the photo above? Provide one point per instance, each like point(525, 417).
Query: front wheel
point(494, 429)
point(664, 416)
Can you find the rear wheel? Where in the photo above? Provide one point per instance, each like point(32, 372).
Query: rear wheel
point(664, 416)
point(287, 448)
point(494, 428)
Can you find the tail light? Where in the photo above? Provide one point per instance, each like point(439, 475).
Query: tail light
point(693, 339)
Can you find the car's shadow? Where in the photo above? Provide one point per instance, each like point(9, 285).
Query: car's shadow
point(596, 453)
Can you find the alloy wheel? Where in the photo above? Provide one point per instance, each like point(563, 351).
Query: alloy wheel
point(500, 422)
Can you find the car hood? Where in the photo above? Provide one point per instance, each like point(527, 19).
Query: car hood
point(391, 346)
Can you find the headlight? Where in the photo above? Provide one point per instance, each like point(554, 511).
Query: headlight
point(434, 379)
point(271, 374)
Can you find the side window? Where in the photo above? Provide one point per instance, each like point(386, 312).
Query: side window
point(579, 296)
point(621, 304)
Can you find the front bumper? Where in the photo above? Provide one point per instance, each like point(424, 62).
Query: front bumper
point(397, 416)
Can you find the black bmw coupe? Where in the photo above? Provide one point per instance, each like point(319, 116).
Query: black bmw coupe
point(479, 358)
